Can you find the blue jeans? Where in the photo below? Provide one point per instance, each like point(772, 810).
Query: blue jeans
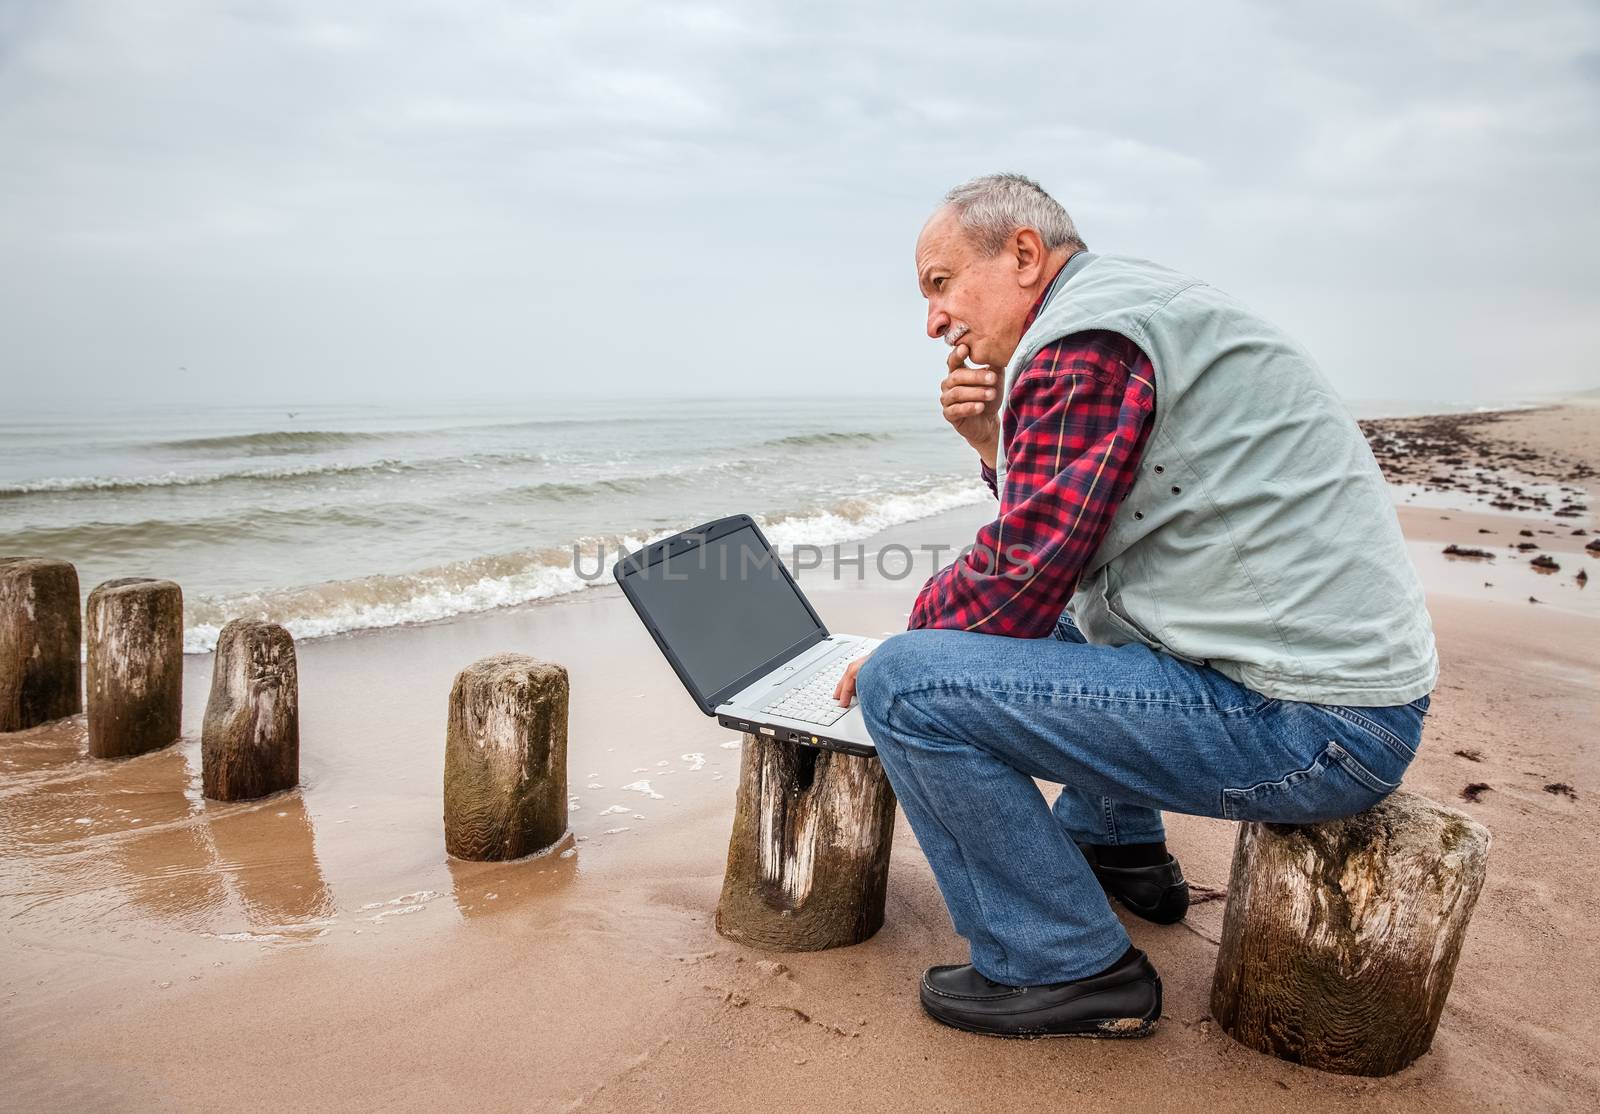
point(964, 722)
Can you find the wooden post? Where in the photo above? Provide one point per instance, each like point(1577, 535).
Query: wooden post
point(808, 862)
point(250, 739)
point(40, 642)
point(1340, 939)
point(135, 666)
point(505, 762)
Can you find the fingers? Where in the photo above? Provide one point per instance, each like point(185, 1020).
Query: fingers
point(962, 376)
point(970, 377)
point(952, 395)
point(966, 392)
point(845, 691)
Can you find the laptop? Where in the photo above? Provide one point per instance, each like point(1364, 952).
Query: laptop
point(743, 638)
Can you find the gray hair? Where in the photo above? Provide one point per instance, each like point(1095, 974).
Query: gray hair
point(992, 207)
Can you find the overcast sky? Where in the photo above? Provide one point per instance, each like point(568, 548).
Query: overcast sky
point(463, 199)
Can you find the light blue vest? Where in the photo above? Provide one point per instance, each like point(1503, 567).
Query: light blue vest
point(1259, 537)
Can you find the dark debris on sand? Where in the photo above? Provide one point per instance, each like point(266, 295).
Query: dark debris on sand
point(1449, 452)
point(1475, 791)
point(1471, 755)
point(1562, 789)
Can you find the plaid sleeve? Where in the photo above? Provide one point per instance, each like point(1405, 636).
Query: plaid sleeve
point(1076, 428)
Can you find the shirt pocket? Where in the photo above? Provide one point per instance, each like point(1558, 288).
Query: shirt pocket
point(1334, 785)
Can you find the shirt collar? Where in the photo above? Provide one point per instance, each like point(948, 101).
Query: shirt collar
point(1049, 289)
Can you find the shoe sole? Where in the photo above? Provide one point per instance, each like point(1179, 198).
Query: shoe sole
point(1108, 1028)
point(1145, 912)
point(1149, 913)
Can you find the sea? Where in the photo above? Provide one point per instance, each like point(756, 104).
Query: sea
point(334, 518)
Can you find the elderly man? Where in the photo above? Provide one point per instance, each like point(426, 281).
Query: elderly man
point(1195, 597)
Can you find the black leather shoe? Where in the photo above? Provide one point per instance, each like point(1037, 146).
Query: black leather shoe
point(1156, 893)
point(1122, 1002)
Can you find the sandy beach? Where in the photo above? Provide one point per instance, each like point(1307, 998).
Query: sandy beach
point(318, 950)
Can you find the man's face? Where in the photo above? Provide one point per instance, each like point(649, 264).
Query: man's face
point(975, 300)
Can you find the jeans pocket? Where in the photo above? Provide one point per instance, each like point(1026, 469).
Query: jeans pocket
point(1335, 784)
point(1399, 727)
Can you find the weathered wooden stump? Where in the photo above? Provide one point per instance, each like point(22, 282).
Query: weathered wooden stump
point(505, 763)
point(1340, 939)
point(250, 738)
point(808, 861)
point(135, 666)
point(40, 642)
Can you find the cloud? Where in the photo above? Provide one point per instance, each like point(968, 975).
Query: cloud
point(477, 197)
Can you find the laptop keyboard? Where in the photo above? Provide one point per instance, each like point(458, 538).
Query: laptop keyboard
point(812, 700)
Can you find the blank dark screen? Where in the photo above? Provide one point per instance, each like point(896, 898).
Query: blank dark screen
point(724, 607)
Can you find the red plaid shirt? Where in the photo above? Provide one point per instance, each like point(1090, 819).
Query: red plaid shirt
point(1074, 434)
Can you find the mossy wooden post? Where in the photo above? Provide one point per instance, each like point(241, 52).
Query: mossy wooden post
point(1340, 939)
point(250, 739)
point(40, 642)
point(135, 634)
point(505, 762)
point(808, 862)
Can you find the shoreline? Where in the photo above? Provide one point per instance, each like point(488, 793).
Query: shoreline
point(939, 524)
point(189, 949)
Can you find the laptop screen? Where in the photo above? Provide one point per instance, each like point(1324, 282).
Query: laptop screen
point(723, 608)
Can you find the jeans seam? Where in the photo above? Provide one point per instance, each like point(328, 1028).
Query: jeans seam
point(1377, 730)
point(1359, 771)
point(1079, 697)
point(977, 895)
point(1319, 764)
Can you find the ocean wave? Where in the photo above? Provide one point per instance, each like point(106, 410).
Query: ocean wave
point(857, 518)
point(339, 607)
point(287, 442)
point(507, 580)
point(102, 540)
point(283, 441)
point(67, 485)
point(833, 438)
point(274, 442)
point(636, 483)
point(565, 491)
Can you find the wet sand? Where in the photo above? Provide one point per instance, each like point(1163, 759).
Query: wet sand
point(318, 950)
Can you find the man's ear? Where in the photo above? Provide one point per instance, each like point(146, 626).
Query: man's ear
point(1028, 253)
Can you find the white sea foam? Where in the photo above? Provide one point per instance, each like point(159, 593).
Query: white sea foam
point(433, 598)
point(508, 580)
point(642, 786)
point(855, 519)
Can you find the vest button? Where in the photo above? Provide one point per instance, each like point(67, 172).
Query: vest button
point(1176, 489)
point(1160, 469)
point(1138, 514)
